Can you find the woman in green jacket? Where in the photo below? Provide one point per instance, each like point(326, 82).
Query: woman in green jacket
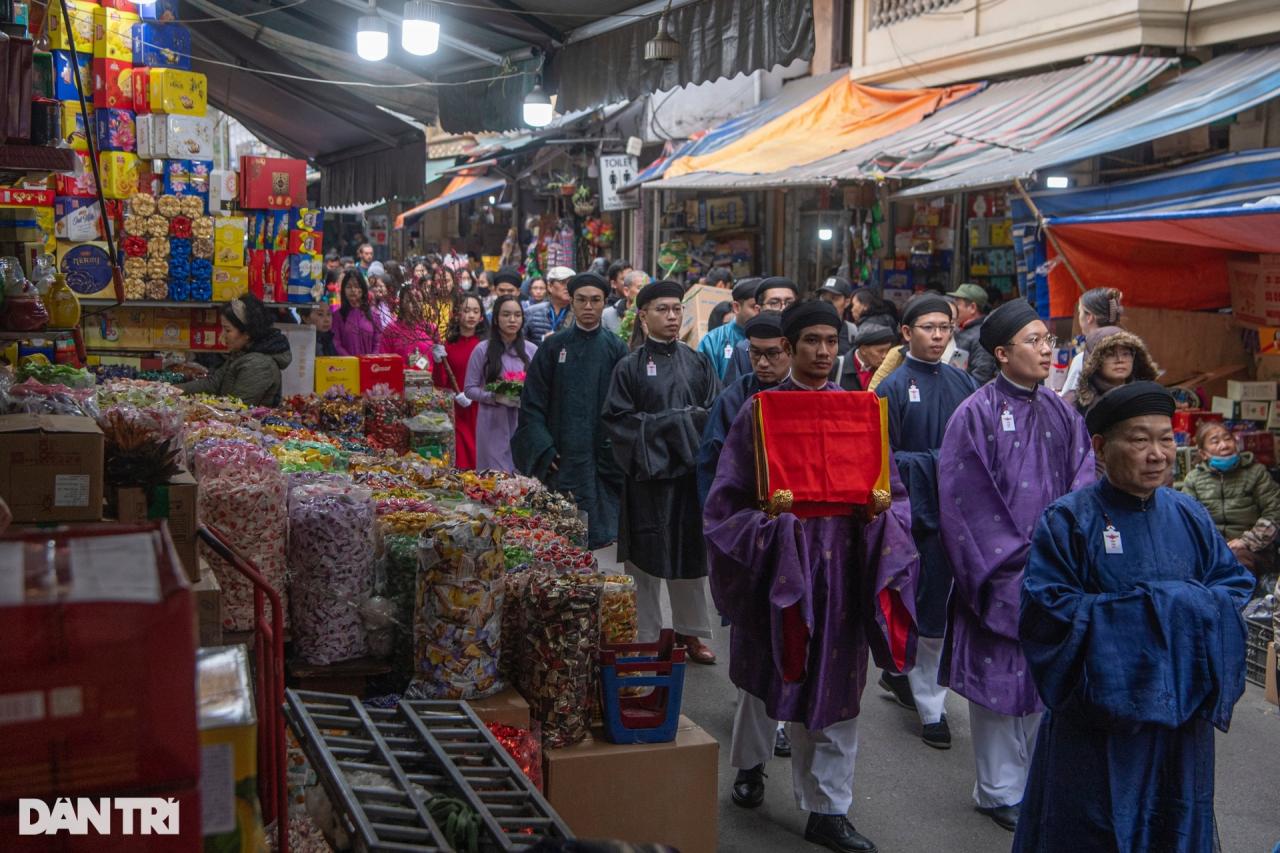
point(1240, 495)
point(257, 353)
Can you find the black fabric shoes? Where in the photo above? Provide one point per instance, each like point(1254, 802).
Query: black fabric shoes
point(835, 832)
point(937, 735)
point(899, 689)
point(748, 787)
point(1006, 817)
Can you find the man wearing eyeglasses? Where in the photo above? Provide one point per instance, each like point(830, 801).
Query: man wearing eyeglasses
point(657, 406)
point(1011, 449)
point(774, 294)
point(923, 393)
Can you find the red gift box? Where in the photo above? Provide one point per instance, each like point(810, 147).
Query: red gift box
point(306, 243)
point(1189, 420)
point(1261, 443)
point(140, 83)
point(258, 272)
point(99, 667)
point(21, 197)
point(819, 453)
point(382, 370)
point(278, 276)
point(272, 183)
point(82, 185)
point(112, 84)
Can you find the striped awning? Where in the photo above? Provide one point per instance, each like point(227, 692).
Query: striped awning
point(461, 188)
point(1006, 118)
point(1216, 90)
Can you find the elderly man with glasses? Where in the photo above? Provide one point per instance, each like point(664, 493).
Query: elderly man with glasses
point(1012, 449)
point(923, 394)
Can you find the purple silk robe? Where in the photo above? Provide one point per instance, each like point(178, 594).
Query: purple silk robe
point(843, 574)
point(993, 485)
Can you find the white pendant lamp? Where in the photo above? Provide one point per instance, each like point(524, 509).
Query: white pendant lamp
point(420, 30)
point(372, 37)
point(538, 111)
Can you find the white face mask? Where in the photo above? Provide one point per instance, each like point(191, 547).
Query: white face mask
point(465, 285)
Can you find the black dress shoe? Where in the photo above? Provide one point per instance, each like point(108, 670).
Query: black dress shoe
point(834, 831)
point(1006, 817)
point(782, 743)
point(937, 735)
point(748, 787)
point(899, 689)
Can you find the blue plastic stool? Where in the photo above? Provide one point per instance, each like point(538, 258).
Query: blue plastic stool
point(642, 719)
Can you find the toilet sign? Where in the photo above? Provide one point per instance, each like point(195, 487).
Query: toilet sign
point(616, 171)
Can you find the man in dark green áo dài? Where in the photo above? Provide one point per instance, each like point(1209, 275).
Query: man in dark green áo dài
point(560, 438)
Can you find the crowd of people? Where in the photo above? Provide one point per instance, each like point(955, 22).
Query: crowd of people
point(1031, 539)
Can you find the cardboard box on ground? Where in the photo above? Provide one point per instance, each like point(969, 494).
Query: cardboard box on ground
point(668, 792)
point(176, 503)
point(51, 468)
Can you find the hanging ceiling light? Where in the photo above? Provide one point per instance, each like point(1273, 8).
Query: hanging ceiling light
point(662, 47)
point(538, 111)
point(420, 30)
point(372, 38)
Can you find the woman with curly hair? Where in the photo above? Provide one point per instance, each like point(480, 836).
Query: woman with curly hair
point(466, 329)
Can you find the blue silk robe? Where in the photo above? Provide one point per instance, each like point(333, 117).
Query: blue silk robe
point(1138, 655)
point(718, 345)
point(915, 434)
point(993, 485)
point(727, 406)
point(852, 582)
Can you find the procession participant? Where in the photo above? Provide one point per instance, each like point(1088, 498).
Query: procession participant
point(805, 597)
point(775, 294)
point(1010, 450)
point(1130, 623)
point(560, 438)
point(923, 393)
point(771, 364)
point(654, 414)
point(718, 343)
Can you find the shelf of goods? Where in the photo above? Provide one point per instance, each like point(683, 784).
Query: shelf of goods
point(395, 777)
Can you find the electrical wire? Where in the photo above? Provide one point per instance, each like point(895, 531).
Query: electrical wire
point(209, 20)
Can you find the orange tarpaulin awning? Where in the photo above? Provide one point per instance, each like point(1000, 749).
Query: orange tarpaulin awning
point(460, 188)
point(842, 116)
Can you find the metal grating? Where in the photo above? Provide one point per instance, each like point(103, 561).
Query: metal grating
point(440, 746)
point(885, 13)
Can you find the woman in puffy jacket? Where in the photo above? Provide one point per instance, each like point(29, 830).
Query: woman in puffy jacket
point(1240, 495)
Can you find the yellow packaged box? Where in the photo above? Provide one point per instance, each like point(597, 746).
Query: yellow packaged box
point(179, 92)
point(74, 130)
point(81, 24)
point(119, 171)
point(229, 234)
point(228, 751)
point(229, 282)
point(334, 370)
point(171, 329)
point(119, 329)
point(113, 33)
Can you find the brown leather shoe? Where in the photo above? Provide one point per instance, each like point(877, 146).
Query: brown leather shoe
point(696, 650)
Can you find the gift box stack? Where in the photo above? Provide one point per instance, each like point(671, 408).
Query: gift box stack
point(168, 249)
point(285, 257)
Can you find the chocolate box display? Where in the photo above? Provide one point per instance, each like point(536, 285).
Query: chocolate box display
point(87, 267)
point(77, 219)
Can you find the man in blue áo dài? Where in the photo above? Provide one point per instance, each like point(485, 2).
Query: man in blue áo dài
point(1131, 626)
point(923, 393)
point(774, 294)
point(1011, 449)
point(718, 343)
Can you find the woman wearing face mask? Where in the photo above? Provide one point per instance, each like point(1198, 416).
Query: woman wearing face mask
point(465, 282)
point(355, 332)
point(505, 352)
point(466, 330)
point(1240, 495)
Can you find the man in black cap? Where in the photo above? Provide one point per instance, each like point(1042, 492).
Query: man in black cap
point(970, 356)
point(1130, 623)
point(1010, 450)
point(923, 394)
point(506, 282)
point(835, 562)
point(560, 438)
point(657, 406)
point(871, 346)
point(775, 294)
point(718, 343)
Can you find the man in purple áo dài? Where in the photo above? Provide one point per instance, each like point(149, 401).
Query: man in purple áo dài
point(768, 573)
point(658, 402)
point(1010, 450)
point(922, 394)
point(1130, 622)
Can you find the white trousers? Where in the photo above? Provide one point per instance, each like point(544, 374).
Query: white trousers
point(821, 761)
point(930, 696)
point(1002, 750)
point(690, 605)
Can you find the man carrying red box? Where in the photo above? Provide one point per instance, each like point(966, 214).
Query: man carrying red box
point(807, 582)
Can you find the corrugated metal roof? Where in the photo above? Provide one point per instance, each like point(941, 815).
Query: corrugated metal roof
point(1214, 91)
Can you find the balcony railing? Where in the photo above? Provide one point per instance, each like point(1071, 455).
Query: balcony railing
point(885, 13)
